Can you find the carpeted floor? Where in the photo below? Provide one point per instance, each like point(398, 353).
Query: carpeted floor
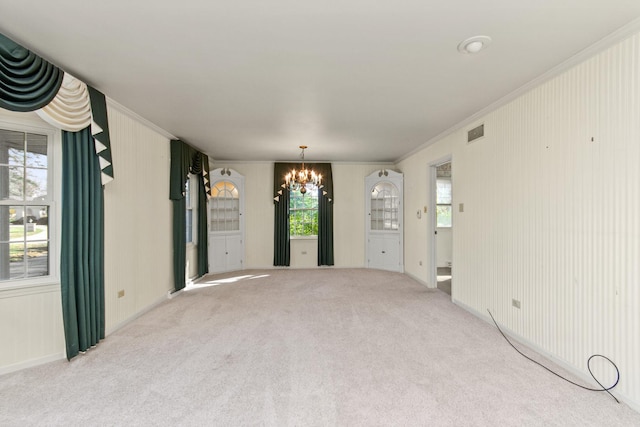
point(321, 347)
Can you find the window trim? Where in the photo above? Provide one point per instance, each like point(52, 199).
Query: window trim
point(444, 204)
point(31, 123)
point(193, 207)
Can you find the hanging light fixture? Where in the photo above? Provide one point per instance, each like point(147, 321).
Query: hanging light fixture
point(297, 180)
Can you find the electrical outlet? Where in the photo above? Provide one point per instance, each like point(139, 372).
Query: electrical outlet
point(121, 293)
point(515, 303)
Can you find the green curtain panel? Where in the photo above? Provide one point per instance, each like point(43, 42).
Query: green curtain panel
point(185, 160)
point(180, 161)
point(203, 205)
point(27, 82)
point(281, 241)
point(325, 214)
point(100, 131)
point(203, 250)
point(82, 243)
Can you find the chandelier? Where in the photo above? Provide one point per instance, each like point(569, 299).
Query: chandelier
point(297, 180)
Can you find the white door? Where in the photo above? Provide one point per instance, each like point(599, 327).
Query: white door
point(226, 221)
point(384, 232)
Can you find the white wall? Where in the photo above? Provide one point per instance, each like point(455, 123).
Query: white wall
point(561, 232)
point(348, 215)
point(138, 239)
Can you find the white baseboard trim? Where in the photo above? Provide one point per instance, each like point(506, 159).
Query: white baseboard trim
point(419, 280)
point(138, 314)
point(31, 363)
point(558, 361)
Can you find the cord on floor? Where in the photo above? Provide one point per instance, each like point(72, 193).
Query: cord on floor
point(566, 379)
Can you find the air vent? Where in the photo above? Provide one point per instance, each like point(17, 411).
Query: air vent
point(475, 133)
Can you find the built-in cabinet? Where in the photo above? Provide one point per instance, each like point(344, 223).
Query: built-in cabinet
point(384, 210)
point(226, 221)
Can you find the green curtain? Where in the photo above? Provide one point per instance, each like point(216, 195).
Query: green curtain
point(281, 242)
point(185, 160)
point(325, 217)
point(325, 214)
point(203, 250)
point(82, 243)
point(101, 133)
point(180, 161)
point(27, 82)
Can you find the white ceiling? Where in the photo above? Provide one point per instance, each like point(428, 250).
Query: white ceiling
point(354, 80)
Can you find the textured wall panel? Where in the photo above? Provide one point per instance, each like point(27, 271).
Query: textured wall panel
point(138, 252)
point(33, 338)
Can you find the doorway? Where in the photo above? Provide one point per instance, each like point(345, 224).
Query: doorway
point(442, 224)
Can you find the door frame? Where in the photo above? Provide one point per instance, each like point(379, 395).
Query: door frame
point(431, 218)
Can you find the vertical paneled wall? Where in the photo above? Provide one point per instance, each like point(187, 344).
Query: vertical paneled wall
point(138, 239)
point(31, 330)
point(552, 215)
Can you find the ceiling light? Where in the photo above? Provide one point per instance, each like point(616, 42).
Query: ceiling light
point(474, 44)
point(297, 180)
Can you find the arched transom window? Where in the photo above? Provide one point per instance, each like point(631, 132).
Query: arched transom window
point(225, 207)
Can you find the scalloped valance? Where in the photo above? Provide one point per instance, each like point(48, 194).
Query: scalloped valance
point(27, 82)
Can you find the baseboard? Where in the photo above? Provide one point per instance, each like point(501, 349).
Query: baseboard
point(139, 313)
point(558, 361)
point(31, 363)
point(419, 280)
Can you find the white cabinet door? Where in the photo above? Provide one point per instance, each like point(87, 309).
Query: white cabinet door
point(384, 251)
point(225, 253)
point(217, 253)
point(234, 252)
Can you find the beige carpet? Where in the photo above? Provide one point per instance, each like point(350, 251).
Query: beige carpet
point(319, 347)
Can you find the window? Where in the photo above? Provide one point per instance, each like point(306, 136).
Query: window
point(303, 212)
point(25, 205)
point(191, 202)
point(443, 201)
point(225, 207)
point(385, 204)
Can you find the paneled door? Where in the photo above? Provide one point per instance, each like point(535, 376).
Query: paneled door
point(383, 196)
point(226, 221)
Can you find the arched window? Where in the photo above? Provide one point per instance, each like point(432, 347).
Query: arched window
point(385, 201)
point(225, 207)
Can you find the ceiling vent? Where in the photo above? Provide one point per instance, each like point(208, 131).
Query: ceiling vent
point(475, 133)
